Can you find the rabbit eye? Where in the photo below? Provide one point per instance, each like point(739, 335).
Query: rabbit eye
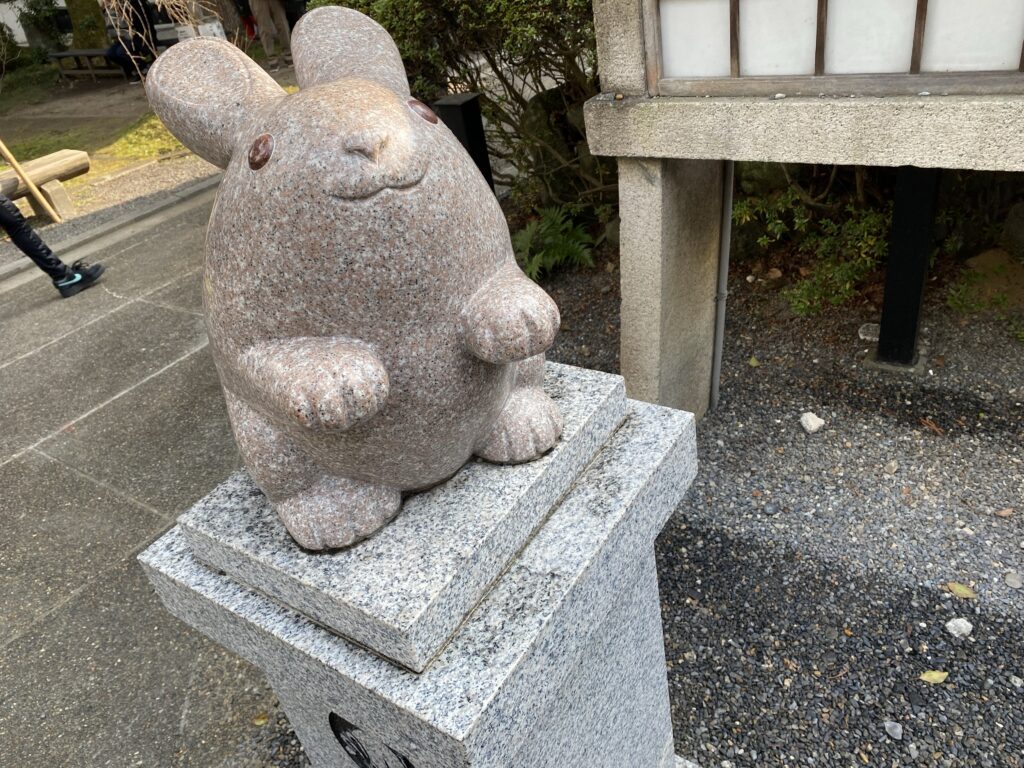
point(423, 110)
point(260, 151)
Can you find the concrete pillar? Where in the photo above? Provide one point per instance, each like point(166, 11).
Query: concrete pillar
point(671, 235)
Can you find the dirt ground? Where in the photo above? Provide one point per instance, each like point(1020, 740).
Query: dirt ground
point(75, 105)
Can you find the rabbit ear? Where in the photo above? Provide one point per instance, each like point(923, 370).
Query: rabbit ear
point(331, 42)
point(205, 90)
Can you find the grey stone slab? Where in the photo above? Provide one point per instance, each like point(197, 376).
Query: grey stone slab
point(184, 293)
point(165, 443)
point(980, 132)
point(35, 314)
point(47, 389)
point(614, 708)
point(404, 591)
point(172, 249)
point(477, 703)
point(57, 530)
point(112, 679)
point(610, 709)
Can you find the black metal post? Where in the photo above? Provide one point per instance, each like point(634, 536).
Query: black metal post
point(913, 225)
point(461, 113)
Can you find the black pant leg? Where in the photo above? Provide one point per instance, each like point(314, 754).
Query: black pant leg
point(23, 236)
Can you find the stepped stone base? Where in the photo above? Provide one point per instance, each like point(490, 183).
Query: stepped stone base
point(405, 591)
point(560, 664)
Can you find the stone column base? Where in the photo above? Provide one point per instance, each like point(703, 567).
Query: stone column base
point(560, 663)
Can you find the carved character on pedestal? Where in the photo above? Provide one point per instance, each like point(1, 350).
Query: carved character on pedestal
point(369, 323)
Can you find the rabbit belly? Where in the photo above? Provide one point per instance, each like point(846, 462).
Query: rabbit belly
point(435, 415)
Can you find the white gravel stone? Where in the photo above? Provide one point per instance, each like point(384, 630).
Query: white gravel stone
point(959, 627)
point(811, 422)
point(869, 332)
point(895, 730)
point(1013, 580)
point(891, 467)
point(1016, 682)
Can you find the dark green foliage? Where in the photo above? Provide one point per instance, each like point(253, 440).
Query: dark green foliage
point(836, 220)
point(845, 240)
point(42, 16)
point(552, 241)
point(849, 250)
point(9, 53)
point(972, 208)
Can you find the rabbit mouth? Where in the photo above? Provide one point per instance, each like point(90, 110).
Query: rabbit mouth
point(371, 186)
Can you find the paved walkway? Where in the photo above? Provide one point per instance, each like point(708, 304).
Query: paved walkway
point(113, 423)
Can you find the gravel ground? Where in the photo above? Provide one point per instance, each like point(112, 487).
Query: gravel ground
point(909, 475)
point(589, 304)
point(802, 579)
point(117, 195)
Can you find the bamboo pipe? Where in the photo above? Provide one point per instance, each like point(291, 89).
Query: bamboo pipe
point(28, 183)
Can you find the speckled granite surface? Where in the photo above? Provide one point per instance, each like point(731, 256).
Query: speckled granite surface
point(403, 592)
point(369, 322)
point(521, 676)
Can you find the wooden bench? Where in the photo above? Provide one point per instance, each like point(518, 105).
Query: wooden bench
point(47, 173)
point(83, 63)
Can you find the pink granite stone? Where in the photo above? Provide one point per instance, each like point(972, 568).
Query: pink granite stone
point(370, 325)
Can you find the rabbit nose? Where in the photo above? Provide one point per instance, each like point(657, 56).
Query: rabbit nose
point(369, 144)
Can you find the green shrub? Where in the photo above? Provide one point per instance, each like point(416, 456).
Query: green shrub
point(847, 240)
point(552, 241)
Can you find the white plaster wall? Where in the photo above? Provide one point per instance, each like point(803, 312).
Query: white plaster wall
point(9, 16)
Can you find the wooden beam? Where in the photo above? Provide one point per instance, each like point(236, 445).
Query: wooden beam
point(652, 44)
point(734, 37)
point(819, 40)
point(919, 22)
point(43, 202)
point(61, 165)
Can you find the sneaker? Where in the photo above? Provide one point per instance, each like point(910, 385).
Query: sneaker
point(81, 277)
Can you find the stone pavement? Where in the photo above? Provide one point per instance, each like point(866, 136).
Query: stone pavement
point(112, 424)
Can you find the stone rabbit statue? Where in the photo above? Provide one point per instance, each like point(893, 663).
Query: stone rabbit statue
point(369, 323)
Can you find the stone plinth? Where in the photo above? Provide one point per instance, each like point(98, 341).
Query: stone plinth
point(403, 592)
point(560, 663)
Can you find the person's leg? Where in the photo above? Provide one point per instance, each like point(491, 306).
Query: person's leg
point(281, 24)
point(25, 238)
point(67, 280)
point(265, 22)
point(117, 54)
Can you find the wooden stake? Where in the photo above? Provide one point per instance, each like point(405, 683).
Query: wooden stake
point(28, 183)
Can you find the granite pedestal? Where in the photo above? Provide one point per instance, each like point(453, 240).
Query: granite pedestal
point(533, 632)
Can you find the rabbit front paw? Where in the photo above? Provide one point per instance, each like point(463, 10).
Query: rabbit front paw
point(322, 383)
point(511, 318)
